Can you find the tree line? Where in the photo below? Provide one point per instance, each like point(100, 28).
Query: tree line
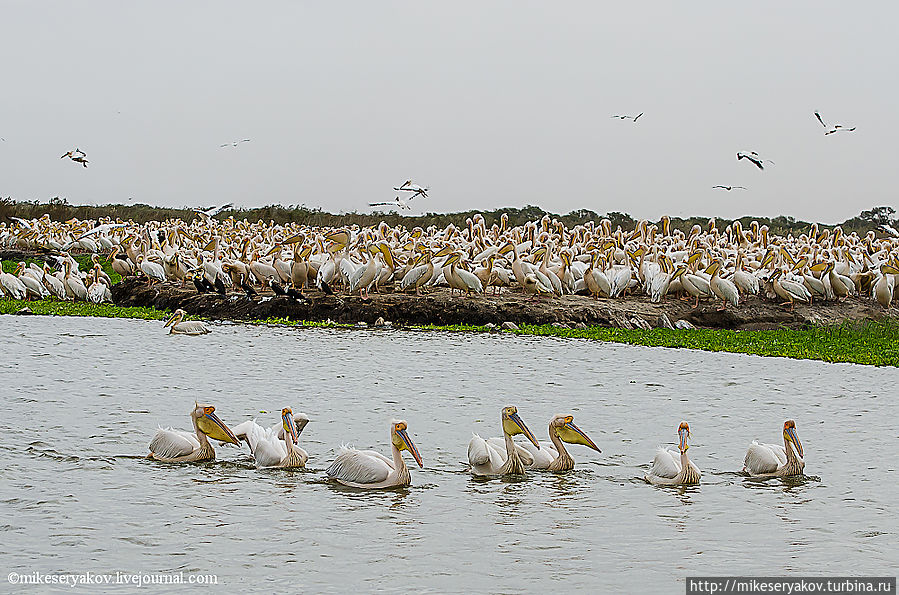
point(60, 210)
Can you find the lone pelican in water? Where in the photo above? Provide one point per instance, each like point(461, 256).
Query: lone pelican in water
point(774, 460)
point(178, 446)
point(667, 470)
point(486, 457)
point(274, 447)
point(554, 457)
point(190, 327)
point(371, 470)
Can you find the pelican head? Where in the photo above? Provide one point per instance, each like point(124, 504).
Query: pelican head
point(512, 425)
point(714, 268)
point(289, 425)
point(402, 441)
point(563, 426)
point(176, 317)
point(791, 435)
point(210, 424)
point(683, 431)
point(445, 251)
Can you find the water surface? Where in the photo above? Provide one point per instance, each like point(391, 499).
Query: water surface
point(81, 398)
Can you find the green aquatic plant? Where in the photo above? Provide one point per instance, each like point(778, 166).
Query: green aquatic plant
point(50, 307)
point(873, 343)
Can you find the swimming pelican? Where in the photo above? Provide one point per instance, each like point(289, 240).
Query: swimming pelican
point(774, 460)
point(554, 457)
point(487, 459)
point(189, 327)
point(177, 446)
point(275, 449)
point(371, 470)
point(668, 470)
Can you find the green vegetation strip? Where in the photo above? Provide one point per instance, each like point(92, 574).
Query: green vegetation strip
point(874, 343)
point(51, 307)
point(868, 343)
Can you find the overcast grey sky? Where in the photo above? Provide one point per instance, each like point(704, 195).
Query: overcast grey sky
point(491, 104)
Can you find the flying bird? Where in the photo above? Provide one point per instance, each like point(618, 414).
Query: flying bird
point(634, 118)
point(754, 158)
point(834, 128)
point(415, 189)
point(729, 188)
point(211, 212)
point(397, 202)
point(234, 143)
point(73, 154)
point(839, 128)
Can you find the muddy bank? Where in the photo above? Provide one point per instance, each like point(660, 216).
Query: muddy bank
point(437, 307)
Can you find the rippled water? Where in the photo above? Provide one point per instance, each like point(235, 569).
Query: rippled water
point(81, 398)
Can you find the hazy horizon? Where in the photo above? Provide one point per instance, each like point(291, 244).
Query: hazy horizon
point(496, 105)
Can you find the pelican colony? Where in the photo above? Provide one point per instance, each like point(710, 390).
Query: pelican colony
point(542, 258)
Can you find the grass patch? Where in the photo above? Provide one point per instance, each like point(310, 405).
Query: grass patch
point(874, 343)
point(50, 307)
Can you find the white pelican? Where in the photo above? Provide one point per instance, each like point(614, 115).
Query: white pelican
point(364, 277)
point(883, 288)
point(554, 457)
point(789, 291)
point(723, 289)
point(694, 285)
point(459, 278)
point(75, 288)
point(418, 275)
point(54, 285)
point(273, 448)
point(774, 460)
point(33, 286)
point(371, 470)
point(534, 287)
point(12, 286)
point(595, 279)
point(98, 291)
point(189, 327)
point(176, 446)
point(152, 270)
point(486, 458)
point(668, 470)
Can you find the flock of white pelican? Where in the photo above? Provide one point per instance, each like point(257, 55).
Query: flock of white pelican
point(276, 447)
point(725, 263)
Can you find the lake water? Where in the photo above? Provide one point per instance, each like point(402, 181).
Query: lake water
point(81, 399)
